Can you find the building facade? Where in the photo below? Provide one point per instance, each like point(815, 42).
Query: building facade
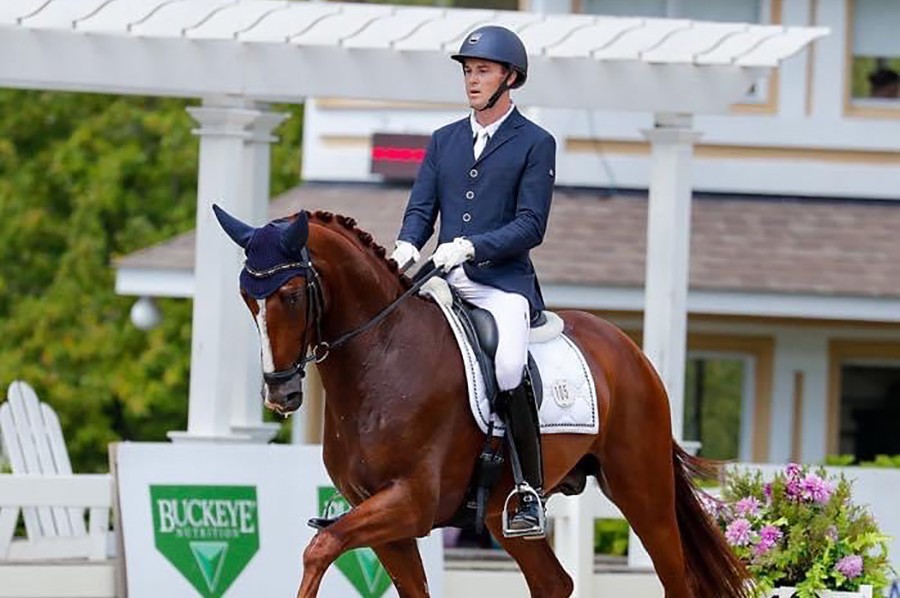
point(794, 328)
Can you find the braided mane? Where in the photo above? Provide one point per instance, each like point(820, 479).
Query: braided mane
point(365, 240)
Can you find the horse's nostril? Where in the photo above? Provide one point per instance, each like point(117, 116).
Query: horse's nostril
point(294, 398)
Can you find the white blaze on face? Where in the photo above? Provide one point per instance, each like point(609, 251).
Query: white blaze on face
point(268, 362)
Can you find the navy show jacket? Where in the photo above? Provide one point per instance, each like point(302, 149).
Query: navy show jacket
point(500, 202)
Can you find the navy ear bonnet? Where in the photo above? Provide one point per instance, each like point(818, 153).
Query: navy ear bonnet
point(275, 252)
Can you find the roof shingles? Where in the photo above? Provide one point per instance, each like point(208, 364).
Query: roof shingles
point(801, 246)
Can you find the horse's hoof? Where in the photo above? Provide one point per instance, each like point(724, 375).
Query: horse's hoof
point(321, 523)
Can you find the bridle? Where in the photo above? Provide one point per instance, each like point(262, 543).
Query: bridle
point(315, 309)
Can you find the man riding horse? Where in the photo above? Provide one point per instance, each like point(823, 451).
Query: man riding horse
point(403, 449)
point(490, 176)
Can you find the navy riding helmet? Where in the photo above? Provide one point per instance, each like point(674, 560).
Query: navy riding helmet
point(497, 44)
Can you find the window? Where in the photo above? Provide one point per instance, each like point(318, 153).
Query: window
point(875, 52)
point(718, 404)
point(742, 11)
point(734, 11)
point(737, 11)
point(625, 8)
point(869, 409)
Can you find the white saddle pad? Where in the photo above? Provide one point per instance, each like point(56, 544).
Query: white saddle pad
point(570, 398)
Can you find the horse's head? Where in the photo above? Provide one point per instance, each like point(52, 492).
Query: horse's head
point(281, 288)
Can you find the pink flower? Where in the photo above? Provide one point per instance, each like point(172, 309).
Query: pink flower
point(793, 489)
point(850, 566)
point(711, 504)
point(768, 537)
point(832, 533)
point(747, 507)
point(738, 532)
point(767, 491)
point(814, 488)
point(793, 470)
point(770, 533)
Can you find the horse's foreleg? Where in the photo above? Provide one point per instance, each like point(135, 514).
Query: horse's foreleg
point(543, 572)
point(395, 513)
point(404, 564)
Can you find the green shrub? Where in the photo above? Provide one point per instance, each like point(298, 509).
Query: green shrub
point(886, 461)
point(801, 529)
point(611, 537)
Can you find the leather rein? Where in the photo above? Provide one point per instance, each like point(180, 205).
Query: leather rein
point(315, 308)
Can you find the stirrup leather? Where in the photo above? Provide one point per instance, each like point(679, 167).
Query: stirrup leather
point(536, 531)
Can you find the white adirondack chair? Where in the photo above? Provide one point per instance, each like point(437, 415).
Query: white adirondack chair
point(43, 489)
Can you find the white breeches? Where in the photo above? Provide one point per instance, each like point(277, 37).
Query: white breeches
point(511, 312)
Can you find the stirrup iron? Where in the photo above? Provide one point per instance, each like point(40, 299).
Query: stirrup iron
point(534, 532)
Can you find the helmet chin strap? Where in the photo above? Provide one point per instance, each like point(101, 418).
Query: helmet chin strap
point(496, 95)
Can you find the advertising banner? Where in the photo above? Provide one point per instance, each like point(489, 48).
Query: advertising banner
point(230, 520)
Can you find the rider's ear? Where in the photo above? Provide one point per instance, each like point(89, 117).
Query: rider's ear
point(294, 237)
point(239, 232)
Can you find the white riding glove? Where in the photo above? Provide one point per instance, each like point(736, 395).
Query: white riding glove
point(405, 254)
point(449, 255)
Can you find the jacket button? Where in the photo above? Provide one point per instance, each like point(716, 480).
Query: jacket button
point(470, 195)
point(467, 217)
point(473, 173)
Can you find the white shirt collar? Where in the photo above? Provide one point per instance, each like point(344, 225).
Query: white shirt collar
point(491, 129)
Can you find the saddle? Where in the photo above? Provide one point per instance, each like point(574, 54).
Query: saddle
point(480, 329)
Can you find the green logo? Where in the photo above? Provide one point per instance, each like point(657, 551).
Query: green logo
point(361, 566)
point(209, 533)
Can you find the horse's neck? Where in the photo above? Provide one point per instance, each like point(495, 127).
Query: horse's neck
point(359, 286)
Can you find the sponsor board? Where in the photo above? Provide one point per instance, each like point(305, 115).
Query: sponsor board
point(230, 521)
point(208, 533)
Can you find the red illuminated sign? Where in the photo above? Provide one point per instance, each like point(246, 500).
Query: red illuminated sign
point(397, 156)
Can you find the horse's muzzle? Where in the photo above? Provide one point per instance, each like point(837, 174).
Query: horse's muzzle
point(284, 397)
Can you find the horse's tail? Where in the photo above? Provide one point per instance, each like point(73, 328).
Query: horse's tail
point(712, 567)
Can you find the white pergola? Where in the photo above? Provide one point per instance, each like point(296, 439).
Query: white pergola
point(236, 55)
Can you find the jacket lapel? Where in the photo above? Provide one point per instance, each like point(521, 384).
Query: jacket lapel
point(508, 130)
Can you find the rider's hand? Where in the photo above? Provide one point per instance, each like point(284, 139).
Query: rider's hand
point(449, 255)
point(405, 254)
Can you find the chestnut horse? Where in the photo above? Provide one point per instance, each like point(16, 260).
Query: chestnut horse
point(400, 441)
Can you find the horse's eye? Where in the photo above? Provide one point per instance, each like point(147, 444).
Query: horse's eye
point(291, 299)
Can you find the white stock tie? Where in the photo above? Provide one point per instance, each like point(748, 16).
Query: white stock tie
point(481, 139)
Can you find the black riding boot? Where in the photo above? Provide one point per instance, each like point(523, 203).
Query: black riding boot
point(525, 434)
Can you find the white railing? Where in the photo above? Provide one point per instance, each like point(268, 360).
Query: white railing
point(93, 492)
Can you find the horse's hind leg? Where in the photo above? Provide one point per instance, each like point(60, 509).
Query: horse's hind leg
point(404, 564)
point(543, 572)
point(640, 478)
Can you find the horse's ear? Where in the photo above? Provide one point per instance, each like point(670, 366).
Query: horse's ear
point(294, 237)
point(239, 232)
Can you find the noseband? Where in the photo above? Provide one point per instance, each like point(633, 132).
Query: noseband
point(315, 308)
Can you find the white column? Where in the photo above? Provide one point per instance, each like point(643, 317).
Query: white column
point(247, 407)
point(224, 402)
point(573, 537)
point(668, 254)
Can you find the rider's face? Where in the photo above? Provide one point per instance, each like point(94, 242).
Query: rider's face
point(482, 77)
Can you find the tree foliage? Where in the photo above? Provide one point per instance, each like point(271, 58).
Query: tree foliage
point(85, 179)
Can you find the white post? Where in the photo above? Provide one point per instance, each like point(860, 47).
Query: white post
point(247, 408)
point(668, 257)
point(573, 537)
point(224, 403)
